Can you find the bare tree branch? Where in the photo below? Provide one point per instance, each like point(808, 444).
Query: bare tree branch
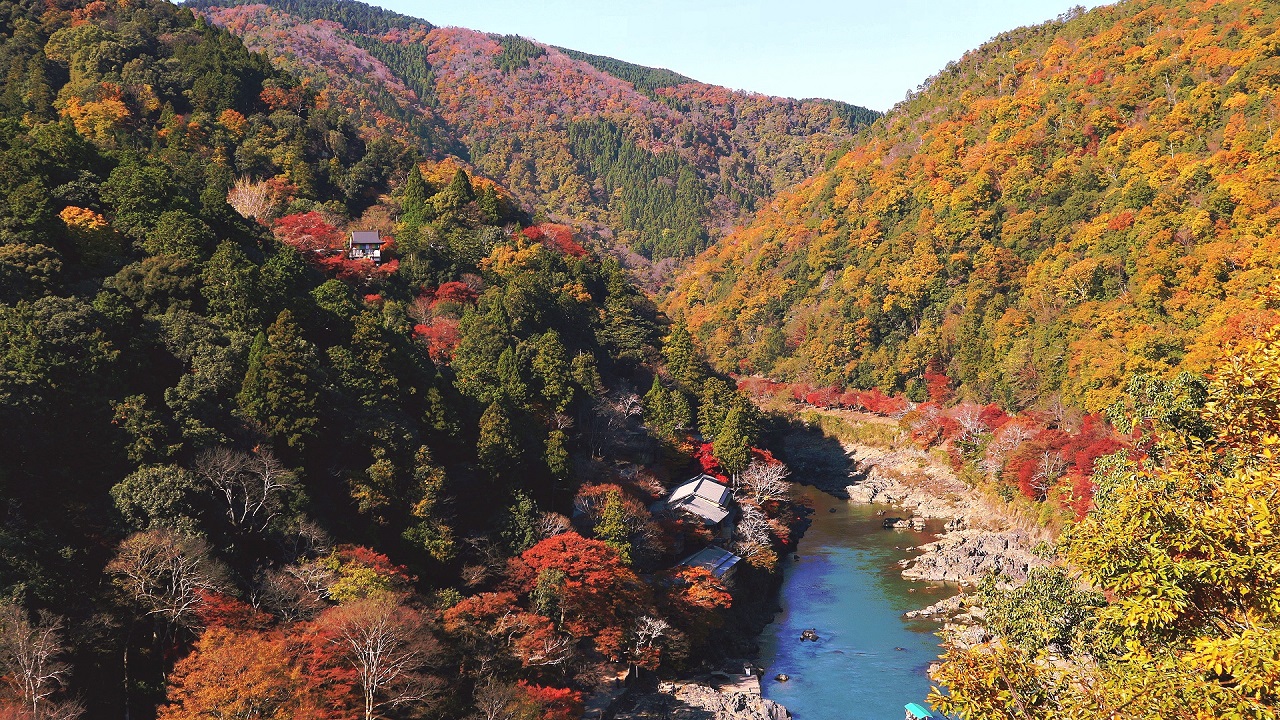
point(248, 485)
point(753, 527)
point(1006, 440)
point(762, 482)
point(29, 663)
point(166, 573)
point(969, 417)
point(378, 637)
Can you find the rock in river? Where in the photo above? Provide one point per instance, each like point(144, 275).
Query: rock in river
point(692, 701)
point(966, 556)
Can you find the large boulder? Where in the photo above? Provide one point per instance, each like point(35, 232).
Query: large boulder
point(696, 701)
point(966, 556)
point(731, 706)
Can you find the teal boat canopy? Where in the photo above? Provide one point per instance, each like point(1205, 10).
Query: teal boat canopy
point(915, 711)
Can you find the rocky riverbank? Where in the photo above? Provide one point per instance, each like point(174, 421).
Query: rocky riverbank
point(977, 539)
point(966, 556)
point(701, 701)
point(879, 478)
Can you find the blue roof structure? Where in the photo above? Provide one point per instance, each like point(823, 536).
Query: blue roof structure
point(718, 561)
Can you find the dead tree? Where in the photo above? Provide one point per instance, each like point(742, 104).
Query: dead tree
point(762, 482)
point(382, 640)
point(166, 573)
point(29, 664)
point(1049, 467)
point(248, 485)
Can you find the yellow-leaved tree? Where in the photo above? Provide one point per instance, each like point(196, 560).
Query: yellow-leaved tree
point(1184, 542)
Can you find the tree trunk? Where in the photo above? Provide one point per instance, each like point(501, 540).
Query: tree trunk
point(124, 663)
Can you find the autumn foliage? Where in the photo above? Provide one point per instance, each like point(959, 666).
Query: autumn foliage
point(533, 123)
point(312, 234)
point(267, 680)
point(556, 237)
point(308, 233)
point(599, 594)
point(1062, 208)
point(553, 702)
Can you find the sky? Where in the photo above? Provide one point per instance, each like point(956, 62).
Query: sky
point(866, 52)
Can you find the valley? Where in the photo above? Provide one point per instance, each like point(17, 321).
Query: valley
point(354, 367)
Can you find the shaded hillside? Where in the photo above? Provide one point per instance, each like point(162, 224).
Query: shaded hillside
point(229, 449)
point(664, 162)
point(1064, 207)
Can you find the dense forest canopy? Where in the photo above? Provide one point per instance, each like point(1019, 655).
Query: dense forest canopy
point(235, 456)
point(1064, 207)
point(646, 79)
point(1163, 601)
point(253, 464)
point(511, 106)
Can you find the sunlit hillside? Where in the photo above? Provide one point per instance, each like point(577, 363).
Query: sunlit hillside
point(1066, 206)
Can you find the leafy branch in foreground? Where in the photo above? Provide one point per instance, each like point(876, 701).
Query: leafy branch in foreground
point(1185, 549)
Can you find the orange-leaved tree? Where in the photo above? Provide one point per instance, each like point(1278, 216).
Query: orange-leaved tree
point(599, 596)
point(232, 674)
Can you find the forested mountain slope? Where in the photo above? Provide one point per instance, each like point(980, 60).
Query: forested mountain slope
point(233, 458)
point(1066, 206)
point(663, 161)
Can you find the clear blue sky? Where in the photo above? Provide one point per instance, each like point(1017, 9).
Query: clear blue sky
point(867, 52)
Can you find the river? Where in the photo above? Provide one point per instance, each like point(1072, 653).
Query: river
point(869, 660)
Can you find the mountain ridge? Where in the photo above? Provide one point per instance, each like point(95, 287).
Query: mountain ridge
point(1066, 206)
point(661, 168)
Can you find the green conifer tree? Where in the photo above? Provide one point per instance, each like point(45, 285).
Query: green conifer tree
point(557, 454)
point(732, 445)
point(681, 417)
point(279, 389)
point(657, 406)
point(714, 402)
point(552, 369)
point(455, 196)
point(415, 210)
point(231, 287)
point(611, 527)
point(497, 447)
point(440, 415)
point(519, 527)
point(428, 530)
point(487, 203)
point(584, 373)
point(682, 359)
point(460, 185)
point(485, 338)
point(366, 365)
point(510, 379)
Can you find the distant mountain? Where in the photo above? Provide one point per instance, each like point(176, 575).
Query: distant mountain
point(662, 162)
point(1066, 206)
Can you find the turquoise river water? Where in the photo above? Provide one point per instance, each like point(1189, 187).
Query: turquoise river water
point(869, 660)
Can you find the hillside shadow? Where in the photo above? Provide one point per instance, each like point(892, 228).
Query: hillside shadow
point(814, 458)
